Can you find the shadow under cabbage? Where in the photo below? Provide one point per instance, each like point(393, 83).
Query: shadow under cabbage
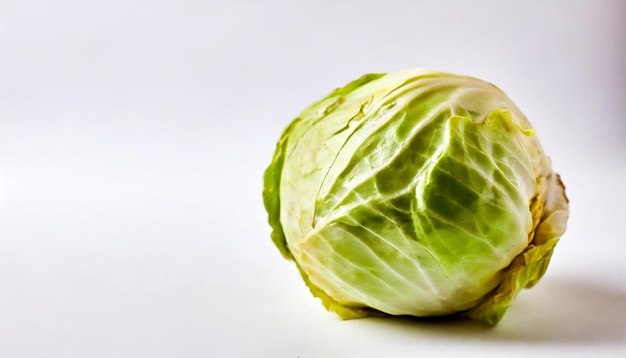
point(558, 310)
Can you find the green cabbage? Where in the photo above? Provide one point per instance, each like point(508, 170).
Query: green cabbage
point(415, 193)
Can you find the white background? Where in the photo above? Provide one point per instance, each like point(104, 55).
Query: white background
point(134, 134)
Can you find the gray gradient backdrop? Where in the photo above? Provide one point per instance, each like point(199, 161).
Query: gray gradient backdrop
point(134, 134)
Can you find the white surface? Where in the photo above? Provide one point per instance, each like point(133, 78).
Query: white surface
point(133, 136)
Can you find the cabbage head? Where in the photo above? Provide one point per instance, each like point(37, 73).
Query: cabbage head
point(415, 193)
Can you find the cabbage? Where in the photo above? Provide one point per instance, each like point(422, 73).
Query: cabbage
point(415, 193)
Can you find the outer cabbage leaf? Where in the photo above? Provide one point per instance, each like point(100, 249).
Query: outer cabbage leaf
point(528, 267)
